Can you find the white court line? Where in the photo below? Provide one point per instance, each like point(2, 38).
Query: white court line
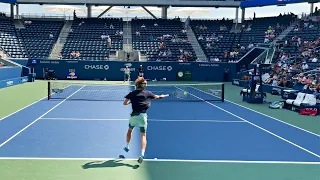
point(158, 120)
point(5, 142)
point(300, 147)
point(24, 108)
point(159, 160)
point(27, 106)
point(262, 114)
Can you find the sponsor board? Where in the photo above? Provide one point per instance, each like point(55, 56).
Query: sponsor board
point(24, 80)
point(159, 68)
point(236, 82)
point(9, 83)
point(208, 65)
point(276, 89)
point(49, 62)
point(72, 74)
point(97, 67)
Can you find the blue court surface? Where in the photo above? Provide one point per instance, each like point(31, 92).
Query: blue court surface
point(177, 131)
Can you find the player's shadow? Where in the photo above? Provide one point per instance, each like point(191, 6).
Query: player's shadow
point(109, 163)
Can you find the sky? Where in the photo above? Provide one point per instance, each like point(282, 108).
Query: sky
point(215, 13)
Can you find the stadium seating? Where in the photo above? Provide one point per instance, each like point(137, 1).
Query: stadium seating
point(9, 40)
point(227, 42)
point(39, 37)
point(164, 32)
point(306, 31)
point(212, 29)
point(85, 37)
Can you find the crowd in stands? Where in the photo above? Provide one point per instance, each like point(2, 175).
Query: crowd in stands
point(297, 61)
point(301, 72)
point(163, 40)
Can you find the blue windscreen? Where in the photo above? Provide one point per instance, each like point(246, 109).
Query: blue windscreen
point(8, 1)
point(255, 3)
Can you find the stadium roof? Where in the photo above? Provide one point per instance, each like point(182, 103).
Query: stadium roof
point(174, 3)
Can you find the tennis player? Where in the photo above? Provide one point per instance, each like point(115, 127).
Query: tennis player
point(140, 100)
point(126, 74)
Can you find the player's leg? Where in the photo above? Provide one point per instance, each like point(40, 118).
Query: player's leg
point(129, 132)
point(143, 130)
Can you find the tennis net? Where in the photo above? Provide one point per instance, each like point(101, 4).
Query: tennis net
point(107, 92)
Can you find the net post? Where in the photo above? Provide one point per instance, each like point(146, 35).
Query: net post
point(49, 89)
point(222, 96)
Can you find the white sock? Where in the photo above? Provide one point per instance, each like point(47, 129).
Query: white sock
point(127, 145)
point(142, 152)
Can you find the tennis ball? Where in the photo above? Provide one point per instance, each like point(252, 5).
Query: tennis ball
point(185, 93)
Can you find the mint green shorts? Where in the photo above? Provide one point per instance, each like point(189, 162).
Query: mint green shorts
point(140, 121)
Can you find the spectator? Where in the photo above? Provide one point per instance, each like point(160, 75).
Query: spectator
point(77, 54)
point(60, 56)
point(109, 42)
point(111, 26)
point(305, 66)
point(143, 26)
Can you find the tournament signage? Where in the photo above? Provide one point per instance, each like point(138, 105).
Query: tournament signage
point(72, 74)
point(185, 75)
point(113, 70)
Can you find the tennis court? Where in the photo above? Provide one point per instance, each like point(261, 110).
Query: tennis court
point(81, 132)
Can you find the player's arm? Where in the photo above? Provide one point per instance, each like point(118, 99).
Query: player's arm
point(153, 96)
point(126, 102)
point(127, 99)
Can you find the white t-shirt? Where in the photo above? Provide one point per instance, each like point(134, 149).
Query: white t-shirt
point(305, 66)
point(127, 71)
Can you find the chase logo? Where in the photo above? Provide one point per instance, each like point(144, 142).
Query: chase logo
point(10, 83)
point(98, 67)
point(159, 68)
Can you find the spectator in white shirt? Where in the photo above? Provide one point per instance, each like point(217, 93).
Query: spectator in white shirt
point(305, 66)
point(155, 24)
point(111, 26)
point(216, 59)
point(143, 26)
point(314, 60)
point(51, 35)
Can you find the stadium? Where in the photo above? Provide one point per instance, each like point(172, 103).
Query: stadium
point(234, 85)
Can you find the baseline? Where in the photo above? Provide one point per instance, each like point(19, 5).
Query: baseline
point(160, 160)
point(158, 120)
